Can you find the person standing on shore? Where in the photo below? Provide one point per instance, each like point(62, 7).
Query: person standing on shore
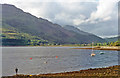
point(16, 70)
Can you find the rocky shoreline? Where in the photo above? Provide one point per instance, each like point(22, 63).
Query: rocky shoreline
point(108, 72)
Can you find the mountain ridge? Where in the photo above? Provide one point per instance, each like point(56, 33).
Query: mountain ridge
point(27, 23)
point(112, 39)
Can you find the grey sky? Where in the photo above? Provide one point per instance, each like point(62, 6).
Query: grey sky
point(95, 16)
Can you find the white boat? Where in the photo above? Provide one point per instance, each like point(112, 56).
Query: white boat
point(45, 62)
point(101, 53)
point(92, 54)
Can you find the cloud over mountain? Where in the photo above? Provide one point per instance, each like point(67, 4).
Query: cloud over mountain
point(89, 15)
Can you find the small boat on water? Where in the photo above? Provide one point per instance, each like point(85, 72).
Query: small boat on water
point(102, 53)
point(45, 62)
point(92, 54)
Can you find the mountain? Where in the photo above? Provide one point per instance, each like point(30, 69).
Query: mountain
point(75, 29)
point(23, 22)
point(112, 39)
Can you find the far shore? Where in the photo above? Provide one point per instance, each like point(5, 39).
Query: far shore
point(114, 48)
point(102, 48)
point(107, 72)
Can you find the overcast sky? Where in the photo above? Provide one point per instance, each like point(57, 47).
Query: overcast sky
point(95, 16)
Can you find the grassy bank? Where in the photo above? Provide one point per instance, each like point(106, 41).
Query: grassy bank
point(109, 72)
point(102, 48)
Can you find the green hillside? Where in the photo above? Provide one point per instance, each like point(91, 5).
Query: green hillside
point(29, 25)
point(14, 38)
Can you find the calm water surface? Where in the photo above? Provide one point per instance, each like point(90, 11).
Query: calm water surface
point(41, 60)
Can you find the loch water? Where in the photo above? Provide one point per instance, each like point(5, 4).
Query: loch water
point(42, 60)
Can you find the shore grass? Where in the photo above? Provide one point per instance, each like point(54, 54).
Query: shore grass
point(102, 48)
point(108, 72)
